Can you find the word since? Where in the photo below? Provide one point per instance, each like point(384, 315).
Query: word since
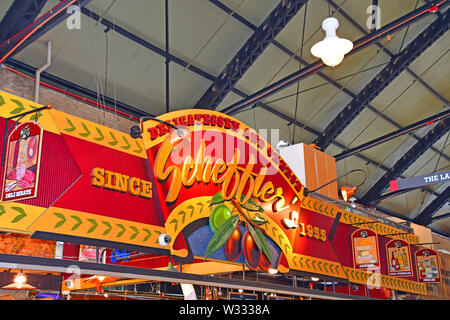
point(120, 182)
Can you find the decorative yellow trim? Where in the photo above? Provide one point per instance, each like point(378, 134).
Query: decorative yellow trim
point(18, 216)
point(98, 134)
point(11, 105)
point(315, 265)
point(348, 217)
point(384, 281)
point(83, 224)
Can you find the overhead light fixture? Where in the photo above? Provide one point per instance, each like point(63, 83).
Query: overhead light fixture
point(315, 279)
point(19, 283)
point(332, 49)
point(346, 192)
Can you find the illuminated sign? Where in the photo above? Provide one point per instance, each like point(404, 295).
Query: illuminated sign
point(21, 172)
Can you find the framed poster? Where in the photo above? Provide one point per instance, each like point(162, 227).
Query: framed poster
point(399, 258)
point(23, 157)
point(427, 266)
point(365, 249)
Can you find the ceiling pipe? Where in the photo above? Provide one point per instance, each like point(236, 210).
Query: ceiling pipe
point(318, 65)
point(42, 69)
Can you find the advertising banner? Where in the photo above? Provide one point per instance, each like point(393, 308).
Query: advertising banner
point(427, 266)
point(365, 249)
point(399, 258)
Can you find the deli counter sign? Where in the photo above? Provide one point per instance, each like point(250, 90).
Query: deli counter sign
point(427, 266)
point(21, 170)
point(399, 258)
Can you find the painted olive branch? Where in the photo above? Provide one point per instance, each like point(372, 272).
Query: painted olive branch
point(239, 208)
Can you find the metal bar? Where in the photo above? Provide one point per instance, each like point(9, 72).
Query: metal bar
point(313, 68)
point(67, 85)
point(49, 26)
point(395, 234)
point(20, 14)
point(443, 216)
point(407, 160)
point(426, 216)
point(12, 261)
point(392, 135)
point(303, 62)
point(166, 11)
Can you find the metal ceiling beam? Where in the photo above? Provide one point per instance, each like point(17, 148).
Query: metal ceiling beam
point(250, 51)
point(204, 74)
point(406, 160)
point(441, 217)
point(315, 67)
point(54, 21)
point(290, 53)
point(386, 50)
point(392, 135)
point(426, 216)
point(20, 15)
point(383, 79)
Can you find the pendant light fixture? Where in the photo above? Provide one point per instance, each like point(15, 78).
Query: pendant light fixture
point(332, 49)
point(19, 283)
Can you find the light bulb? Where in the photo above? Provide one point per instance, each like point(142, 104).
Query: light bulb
point(20, 278)
point(332, 49)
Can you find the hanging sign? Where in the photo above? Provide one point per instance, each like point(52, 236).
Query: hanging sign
point(365, 249)
point(427, 266)
point(21, 171)
point(399, 258)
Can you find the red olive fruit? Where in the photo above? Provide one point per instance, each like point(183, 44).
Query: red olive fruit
point(251, 251)
point(232, 248)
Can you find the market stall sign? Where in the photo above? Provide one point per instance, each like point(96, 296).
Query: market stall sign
point(398, 255)
point(427, 266)
point(414, 182)
point(365, 249)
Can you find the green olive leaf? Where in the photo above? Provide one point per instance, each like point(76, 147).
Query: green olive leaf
point(222, 235)
point(259, 220)
point(260, 240)
point(216, 199)
point(251, 204)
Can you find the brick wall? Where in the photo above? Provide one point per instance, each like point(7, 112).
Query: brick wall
point(24, 87)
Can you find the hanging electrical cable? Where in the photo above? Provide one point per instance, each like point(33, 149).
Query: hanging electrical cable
point(299, 67)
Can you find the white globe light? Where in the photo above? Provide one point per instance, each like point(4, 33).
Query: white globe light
point(332, 49)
